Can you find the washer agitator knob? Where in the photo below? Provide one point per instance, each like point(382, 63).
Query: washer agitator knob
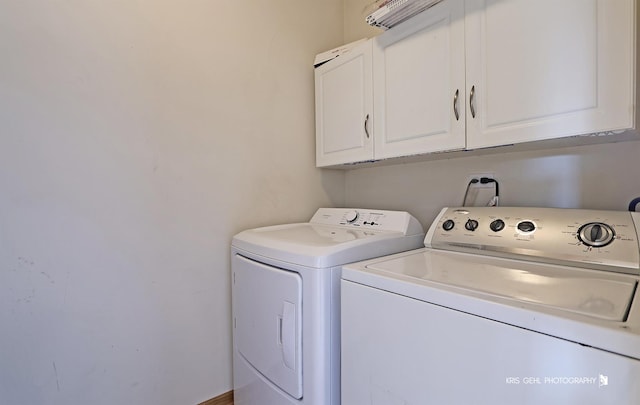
point(596, 234)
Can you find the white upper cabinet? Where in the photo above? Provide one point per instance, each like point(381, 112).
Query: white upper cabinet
point(548, 69)
point(419, 84)
point(470, 74)
point(344, 108)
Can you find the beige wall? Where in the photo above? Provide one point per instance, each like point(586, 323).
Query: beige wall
point(595, 176)
point(355, 27)
point(136, 137)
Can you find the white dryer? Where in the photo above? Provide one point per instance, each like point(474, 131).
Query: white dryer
point(286, 300)
point(502, 306)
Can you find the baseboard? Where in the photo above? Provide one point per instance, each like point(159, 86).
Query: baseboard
point(222, 399)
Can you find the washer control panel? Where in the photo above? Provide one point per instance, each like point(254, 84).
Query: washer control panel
point(379, 220)
point(606, 240)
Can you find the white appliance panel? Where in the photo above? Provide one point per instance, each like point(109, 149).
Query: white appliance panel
point(335, 236)
point(400, 351)
point(550, 235)
point(268, 317)
point(503, 305)
point(286, 300)
point(593, 293)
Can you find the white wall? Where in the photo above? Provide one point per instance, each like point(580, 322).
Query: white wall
point(136, 137)
point(596, 176)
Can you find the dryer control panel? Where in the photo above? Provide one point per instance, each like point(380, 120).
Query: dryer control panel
point(379, 220)
point(605, 240)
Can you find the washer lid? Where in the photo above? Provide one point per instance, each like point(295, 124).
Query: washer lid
point(321, 246)
point(593, 293)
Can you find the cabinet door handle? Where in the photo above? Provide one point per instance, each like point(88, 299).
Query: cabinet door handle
point(472, 100)
point(366, 126)
point(455, 105)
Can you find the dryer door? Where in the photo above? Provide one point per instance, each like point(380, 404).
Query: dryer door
point(268, 321)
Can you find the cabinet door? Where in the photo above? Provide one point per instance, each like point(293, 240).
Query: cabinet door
point(344, 108)
point(547, 69)
point(418, 77)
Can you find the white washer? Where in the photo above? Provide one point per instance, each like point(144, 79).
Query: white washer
point(502, 306)
point(286, 300)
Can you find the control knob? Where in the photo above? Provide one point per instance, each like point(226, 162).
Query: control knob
point(596, 234)
point(448, 225)
point(351, 216)
point(471, 225)
point(496, 225)
point(526, 226)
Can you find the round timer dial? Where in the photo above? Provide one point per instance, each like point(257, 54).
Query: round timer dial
point(596, 234)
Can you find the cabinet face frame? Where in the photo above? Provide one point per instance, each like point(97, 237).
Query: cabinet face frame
point(589, 88)
point(344, 108)
point(419, 99)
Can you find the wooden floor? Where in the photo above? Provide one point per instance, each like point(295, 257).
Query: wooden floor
point(224, 399)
